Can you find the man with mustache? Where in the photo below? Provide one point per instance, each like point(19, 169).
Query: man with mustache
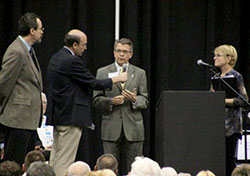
point(20, 90)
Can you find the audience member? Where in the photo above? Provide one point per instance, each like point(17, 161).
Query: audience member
point(143, 166)
point(39, 168)
point(184, 174)
point(108, 172)
point(10, 168)
point(78, 168)
point(105, 172)
point(32, 156)
point(107, 161)
point(205, 173)
point(241, 170)
point(168, 171)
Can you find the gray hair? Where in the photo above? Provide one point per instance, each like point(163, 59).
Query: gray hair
point(78, 168)
point(40, 168)
point(143, 166)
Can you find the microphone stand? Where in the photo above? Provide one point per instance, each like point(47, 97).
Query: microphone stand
point(244, 118)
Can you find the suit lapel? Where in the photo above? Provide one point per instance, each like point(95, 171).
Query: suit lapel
point(112, 68)
point(131, 75)
point(37, 71)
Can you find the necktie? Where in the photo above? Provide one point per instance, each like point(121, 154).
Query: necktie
point(33, 57)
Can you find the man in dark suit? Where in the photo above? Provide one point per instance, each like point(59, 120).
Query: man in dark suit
point(20, 90)
point(69, 107)
point(122, 121)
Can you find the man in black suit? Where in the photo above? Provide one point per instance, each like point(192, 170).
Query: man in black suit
point(69, 106)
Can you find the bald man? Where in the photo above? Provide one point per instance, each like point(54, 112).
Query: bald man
point(68, 108)
point(78, 168)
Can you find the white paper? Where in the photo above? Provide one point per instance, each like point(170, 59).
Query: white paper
point(114, 74)
point(45, 133)
point(241, 148)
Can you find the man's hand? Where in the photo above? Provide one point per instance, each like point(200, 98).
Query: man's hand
point(118, 100)
point(131, 96)
point(120, 78)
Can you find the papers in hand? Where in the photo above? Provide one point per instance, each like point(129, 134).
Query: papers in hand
point(45, 133)
point(219, 85)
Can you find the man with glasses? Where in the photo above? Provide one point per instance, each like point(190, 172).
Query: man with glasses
point(122, 121)
point(20, 90)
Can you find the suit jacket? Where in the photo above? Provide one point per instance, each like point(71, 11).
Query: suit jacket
point(20, 88)
point(126, 116)
point(69, 97)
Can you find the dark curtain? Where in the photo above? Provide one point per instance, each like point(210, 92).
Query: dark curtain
point(169, 37)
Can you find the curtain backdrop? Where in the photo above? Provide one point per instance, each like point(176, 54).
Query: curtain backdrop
point(169, 37)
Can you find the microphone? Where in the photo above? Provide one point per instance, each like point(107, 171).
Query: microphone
point(200, 62)
point(124, 67)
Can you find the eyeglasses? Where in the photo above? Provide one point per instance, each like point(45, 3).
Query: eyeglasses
point(122, 51)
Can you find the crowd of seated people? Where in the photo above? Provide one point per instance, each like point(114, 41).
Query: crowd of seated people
point(106, 165)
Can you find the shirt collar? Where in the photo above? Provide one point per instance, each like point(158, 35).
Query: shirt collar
point(70, 50)
point(118, 67)
point(25, 43)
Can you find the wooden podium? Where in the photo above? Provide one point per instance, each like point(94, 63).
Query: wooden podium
point(190, 131)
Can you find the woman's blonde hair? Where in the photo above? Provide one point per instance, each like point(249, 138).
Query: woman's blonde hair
point(205, 173)
point(228, 50)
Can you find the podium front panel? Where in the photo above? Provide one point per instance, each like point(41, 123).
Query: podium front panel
point(190, 131)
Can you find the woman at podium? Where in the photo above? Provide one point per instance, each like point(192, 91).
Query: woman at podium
point(225, 58)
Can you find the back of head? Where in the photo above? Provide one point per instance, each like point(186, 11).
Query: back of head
point(107, 161)
point(184, 174)
point(143, 166)
point(78, 168)
point(168, 171)
point(32, 156)
point(73, 36)
point(241, 170)
point(104, 172)
point(26, 22)
point(205, 173)
point(108, 172)
point(95, 173)
point(69, 40)
point(10, 168)
point(40, 168)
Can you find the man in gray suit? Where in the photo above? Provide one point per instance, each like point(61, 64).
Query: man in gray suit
point(122, 121)
point(20, 90)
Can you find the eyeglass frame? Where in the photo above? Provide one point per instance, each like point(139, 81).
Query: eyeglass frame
point(122, 51)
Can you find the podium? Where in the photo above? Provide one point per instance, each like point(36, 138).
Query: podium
point(190, 131)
